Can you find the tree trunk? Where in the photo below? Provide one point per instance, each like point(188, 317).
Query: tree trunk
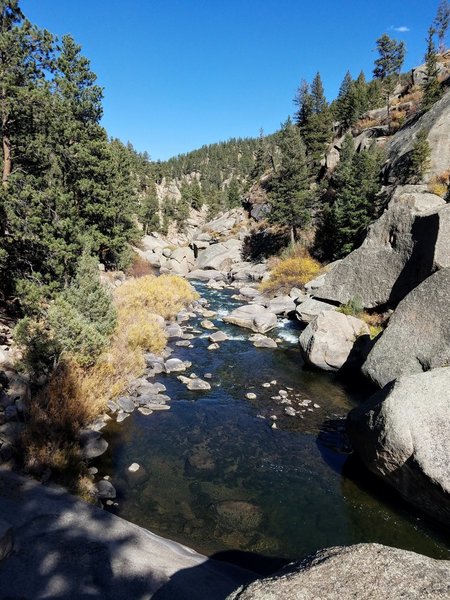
point(7, 161)
point(293, 235)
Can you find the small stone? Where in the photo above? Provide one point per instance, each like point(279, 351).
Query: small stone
point(121, 416)
point(174, 364)
point(134, 467)
point(183, 343)
point(145, 411)
point(207, 375)
point(109, 503)
point(290, 411)
point(266, 385)
point(273, 382)
point(105, 490)
point(274, 426)
point(273, 417)
point(206, 324)
point(316, 405)
point(250, 396)
point(218, 336)
point(126, 404)
point(213, 347)
point(93, 470)
point(283, 393)
point(197, 385)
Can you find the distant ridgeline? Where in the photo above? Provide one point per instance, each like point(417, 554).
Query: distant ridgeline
point(66, 186)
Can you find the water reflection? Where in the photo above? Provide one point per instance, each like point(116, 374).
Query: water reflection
point(216, 476)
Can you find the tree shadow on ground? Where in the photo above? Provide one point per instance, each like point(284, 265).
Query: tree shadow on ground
point(66, 549)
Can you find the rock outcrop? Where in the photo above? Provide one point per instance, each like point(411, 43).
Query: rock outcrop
point(402, 248)
point(328, 341)
point(436, 123)
point(402, 435)
point(360, 572)
point(65, 548)
point(417, 338)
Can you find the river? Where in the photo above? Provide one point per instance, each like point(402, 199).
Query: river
point(216, 476)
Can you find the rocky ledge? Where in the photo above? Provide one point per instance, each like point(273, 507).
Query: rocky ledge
point(53, 545)
point(362, 572)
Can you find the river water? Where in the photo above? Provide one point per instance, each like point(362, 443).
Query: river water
point(216, 476)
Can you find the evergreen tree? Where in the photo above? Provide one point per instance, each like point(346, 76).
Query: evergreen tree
point(419, 158)
point(356, 184)
point(442, 22)
point(261, 158)
point(345, 110)
point(197, 199)
point(390, 61)
point(149, 209)
point(303, 101)
point(432, 90)
point(234, 194)
point(290, 193)
point(315, 121)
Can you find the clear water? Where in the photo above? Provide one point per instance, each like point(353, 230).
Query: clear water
point(216, 476)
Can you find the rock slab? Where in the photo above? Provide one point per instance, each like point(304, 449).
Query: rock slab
point(403, 435)
point(417, 338)
point(359, 572)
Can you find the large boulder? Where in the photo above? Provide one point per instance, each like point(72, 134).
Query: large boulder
point(219, 256)
point(403, 435)
point(328, 341)
point(281, 305)
point(362, 572)
point(254, 317)
point(418, 335)
point(308, 310)
point(402, 248)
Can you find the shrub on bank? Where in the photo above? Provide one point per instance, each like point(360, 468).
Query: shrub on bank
point(77, 392)
point(292, 271)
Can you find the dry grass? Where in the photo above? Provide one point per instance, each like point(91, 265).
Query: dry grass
point(294, 270)
point(75, 396)
point(439, 185)
point(139, 267)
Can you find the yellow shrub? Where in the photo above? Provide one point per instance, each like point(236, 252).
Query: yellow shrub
point(75, 396)
point(165, 295)
point(439, 185)
point(290, 272)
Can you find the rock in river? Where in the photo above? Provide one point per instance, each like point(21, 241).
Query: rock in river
point(327, 341)
point(254, 317)
point(403, 435)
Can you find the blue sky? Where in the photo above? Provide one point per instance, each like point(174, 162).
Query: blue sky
point(178, 74)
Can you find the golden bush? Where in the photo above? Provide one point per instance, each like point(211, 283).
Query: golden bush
point(292, 271)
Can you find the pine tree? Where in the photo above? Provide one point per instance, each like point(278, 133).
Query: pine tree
point(442, 22)
point(389, 63)
point(290, 193)
point(356, 184)
point(316, 123)
point(344, 103)
point(261, 158)
point(303, 101)
point(234, 194)
point(149, 209)
point(432, 90)
point(420, 157)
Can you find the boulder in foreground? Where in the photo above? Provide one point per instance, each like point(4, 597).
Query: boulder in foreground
point(402, 434)
point(360, 572)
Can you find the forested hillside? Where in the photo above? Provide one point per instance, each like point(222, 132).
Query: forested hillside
point(65, 185)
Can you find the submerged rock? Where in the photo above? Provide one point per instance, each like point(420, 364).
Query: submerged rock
point(360, 572)
point(105, 489)
point(238, 514)
point(262, 341)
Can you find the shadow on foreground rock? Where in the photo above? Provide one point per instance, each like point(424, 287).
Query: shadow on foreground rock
point(66, 549)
